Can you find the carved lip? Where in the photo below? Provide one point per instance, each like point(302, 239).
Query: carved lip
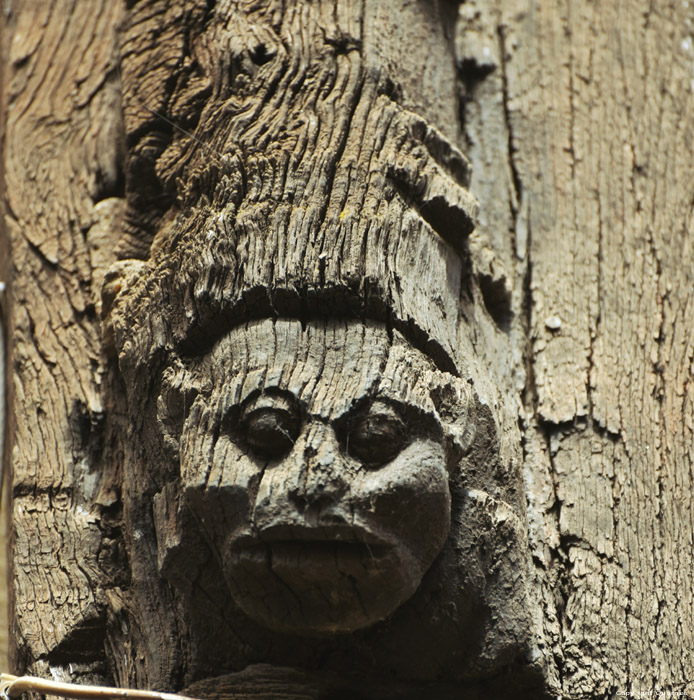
point(305, 541)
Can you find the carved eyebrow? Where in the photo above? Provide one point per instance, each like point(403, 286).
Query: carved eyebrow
point(274, 399)
point(414, 417)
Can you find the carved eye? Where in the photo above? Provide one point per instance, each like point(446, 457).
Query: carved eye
point(271, 425)
point(378, 435)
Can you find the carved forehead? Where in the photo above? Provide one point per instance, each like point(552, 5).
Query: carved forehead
point(329, 366)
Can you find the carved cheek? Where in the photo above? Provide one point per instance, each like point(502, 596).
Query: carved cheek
point(218, 479)
point(408, 500)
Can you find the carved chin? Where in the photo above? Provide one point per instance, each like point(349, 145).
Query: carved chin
point(323, 586)
point(350, 563)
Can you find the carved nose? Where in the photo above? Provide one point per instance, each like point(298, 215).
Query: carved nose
point(321, 470)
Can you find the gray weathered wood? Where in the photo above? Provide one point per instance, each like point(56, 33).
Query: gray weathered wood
point(299, 286)
point(309, 270)
point(594, 104)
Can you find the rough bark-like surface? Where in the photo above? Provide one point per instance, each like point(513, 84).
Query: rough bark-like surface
point(60, 165)
point(323, 444)
point(4, 480)
point(597, 99)
point(308, 326)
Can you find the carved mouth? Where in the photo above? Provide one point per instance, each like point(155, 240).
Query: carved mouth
point(303, 545)
point(316, 580)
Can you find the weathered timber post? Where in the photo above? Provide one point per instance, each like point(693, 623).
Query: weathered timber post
point(303, 405)
point(318, 454)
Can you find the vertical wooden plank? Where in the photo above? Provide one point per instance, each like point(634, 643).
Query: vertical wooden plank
point(61, 162)
point(600, 104)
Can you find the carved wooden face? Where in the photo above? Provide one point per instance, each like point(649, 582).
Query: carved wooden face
point(314, 462)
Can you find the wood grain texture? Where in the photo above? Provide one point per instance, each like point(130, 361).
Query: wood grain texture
point(598, 100)
point(4, 478)
point(304, 243)
point(60, 158)
point(303, 160)
point(317, 191)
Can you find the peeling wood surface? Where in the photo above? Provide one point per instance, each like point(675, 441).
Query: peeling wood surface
point(599, 103)
point(310, 224)
point(5, 613)
point(578, 123)
point(60, 158)
point(5, 265)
